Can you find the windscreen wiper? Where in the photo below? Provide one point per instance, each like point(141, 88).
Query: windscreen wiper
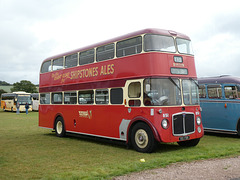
point(174, 83)
point(194, 82)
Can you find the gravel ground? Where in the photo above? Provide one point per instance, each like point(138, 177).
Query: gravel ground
point(214, 169)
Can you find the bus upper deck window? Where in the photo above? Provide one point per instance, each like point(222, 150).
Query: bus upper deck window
point(154, 42)
point(105, 52)
point(129, 46)
point(184, 46)
point(57, 64)
point(86, 57)
point(71, 61)
point(46, 67)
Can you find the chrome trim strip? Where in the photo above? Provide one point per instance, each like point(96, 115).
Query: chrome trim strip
point(220, 131)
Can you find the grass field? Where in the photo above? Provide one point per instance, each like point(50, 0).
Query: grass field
point(8, 88)
point(30, 152)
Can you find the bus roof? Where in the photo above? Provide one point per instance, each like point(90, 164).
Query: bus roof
point(136, 33)
point(13, 94)
point(20, 92)
point(219, 80)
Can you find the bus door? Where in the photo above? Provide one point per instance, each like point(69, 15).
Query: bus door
point(231, 106)
point(134, 93)
point(213, 108)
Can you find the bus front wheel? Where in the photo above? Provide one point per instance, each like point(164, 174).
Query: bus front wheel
point(59, 127)
point(142, 138)
point(189, 143)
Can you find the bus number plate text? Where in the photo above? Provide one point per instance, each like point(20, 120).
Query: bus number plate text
point(183, 138)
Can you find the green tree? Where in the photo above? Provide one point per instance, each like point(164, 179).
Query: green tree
point(1, 92)
point(4, 83)
point(24, 85)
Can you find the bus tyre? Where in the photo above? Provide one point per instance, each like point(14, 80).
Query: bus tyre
point(59, 127)
point(142, 138)
point(189, 143)
point(238, 128)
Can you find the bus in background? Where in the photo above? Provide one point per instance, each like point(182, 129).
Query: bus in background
point(220, 103)
point(35, 101)
point(10, 100)
point(139, 88)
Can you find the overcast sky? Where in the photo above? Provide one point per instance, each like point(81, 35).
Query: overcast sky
point(32, 30)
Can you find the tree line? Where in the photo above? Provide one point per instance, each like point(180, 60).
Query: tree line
point(23, 85)
point(4, 83)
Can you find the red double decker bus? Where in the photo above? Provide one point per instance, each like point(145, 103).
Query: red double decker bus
point(139, 88)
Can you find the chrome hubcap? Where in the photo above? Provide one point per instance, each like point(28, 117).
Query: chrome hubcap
point(141, 138)
point(59, 127)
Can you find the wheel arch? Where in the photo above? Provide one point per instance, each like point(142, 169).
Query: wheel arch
point(238, 127)
point(138, 119)
point(55, 119)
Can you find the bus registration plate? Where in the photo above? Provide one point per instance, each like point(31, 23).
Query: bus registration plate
point(183, 138)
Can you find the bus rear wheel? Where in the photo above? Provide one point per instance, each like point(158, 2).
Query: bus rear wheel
point(238, 128)
point(142, 138)
point(189, 143)
point(59, 127)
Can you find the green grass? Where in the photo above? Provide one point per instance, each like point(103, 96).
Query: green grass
point(8, 88)
point(30, 152)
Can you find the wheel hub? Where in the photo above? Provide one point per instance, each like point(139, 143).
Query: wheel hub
point(141, 138)
point(59, 127)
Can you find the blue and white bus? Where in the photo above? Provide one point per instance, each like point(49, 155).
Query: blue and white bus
point(220, 103)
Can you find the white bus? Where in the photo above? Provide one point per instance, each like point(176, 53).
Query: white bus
point(10, 100)
point(35, 101)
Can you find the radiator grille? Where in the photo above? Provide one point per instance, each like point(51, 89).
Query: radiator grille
point(183, 124)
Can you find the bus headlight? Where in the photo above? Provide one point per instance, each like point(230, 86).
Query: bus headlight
point(198, 120)
point(165, 124)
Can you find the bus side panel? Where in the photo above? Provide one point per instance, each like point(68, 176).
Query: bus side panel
point(46, 116)
point(8, 104)
point(99, 120)
point(2, 104)
point(105, 120)
point(154, 64)
point(216, 116)
point(233, 114)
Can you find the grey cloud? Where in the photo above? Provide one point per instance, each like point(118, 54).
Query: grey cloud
point(228, 23)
